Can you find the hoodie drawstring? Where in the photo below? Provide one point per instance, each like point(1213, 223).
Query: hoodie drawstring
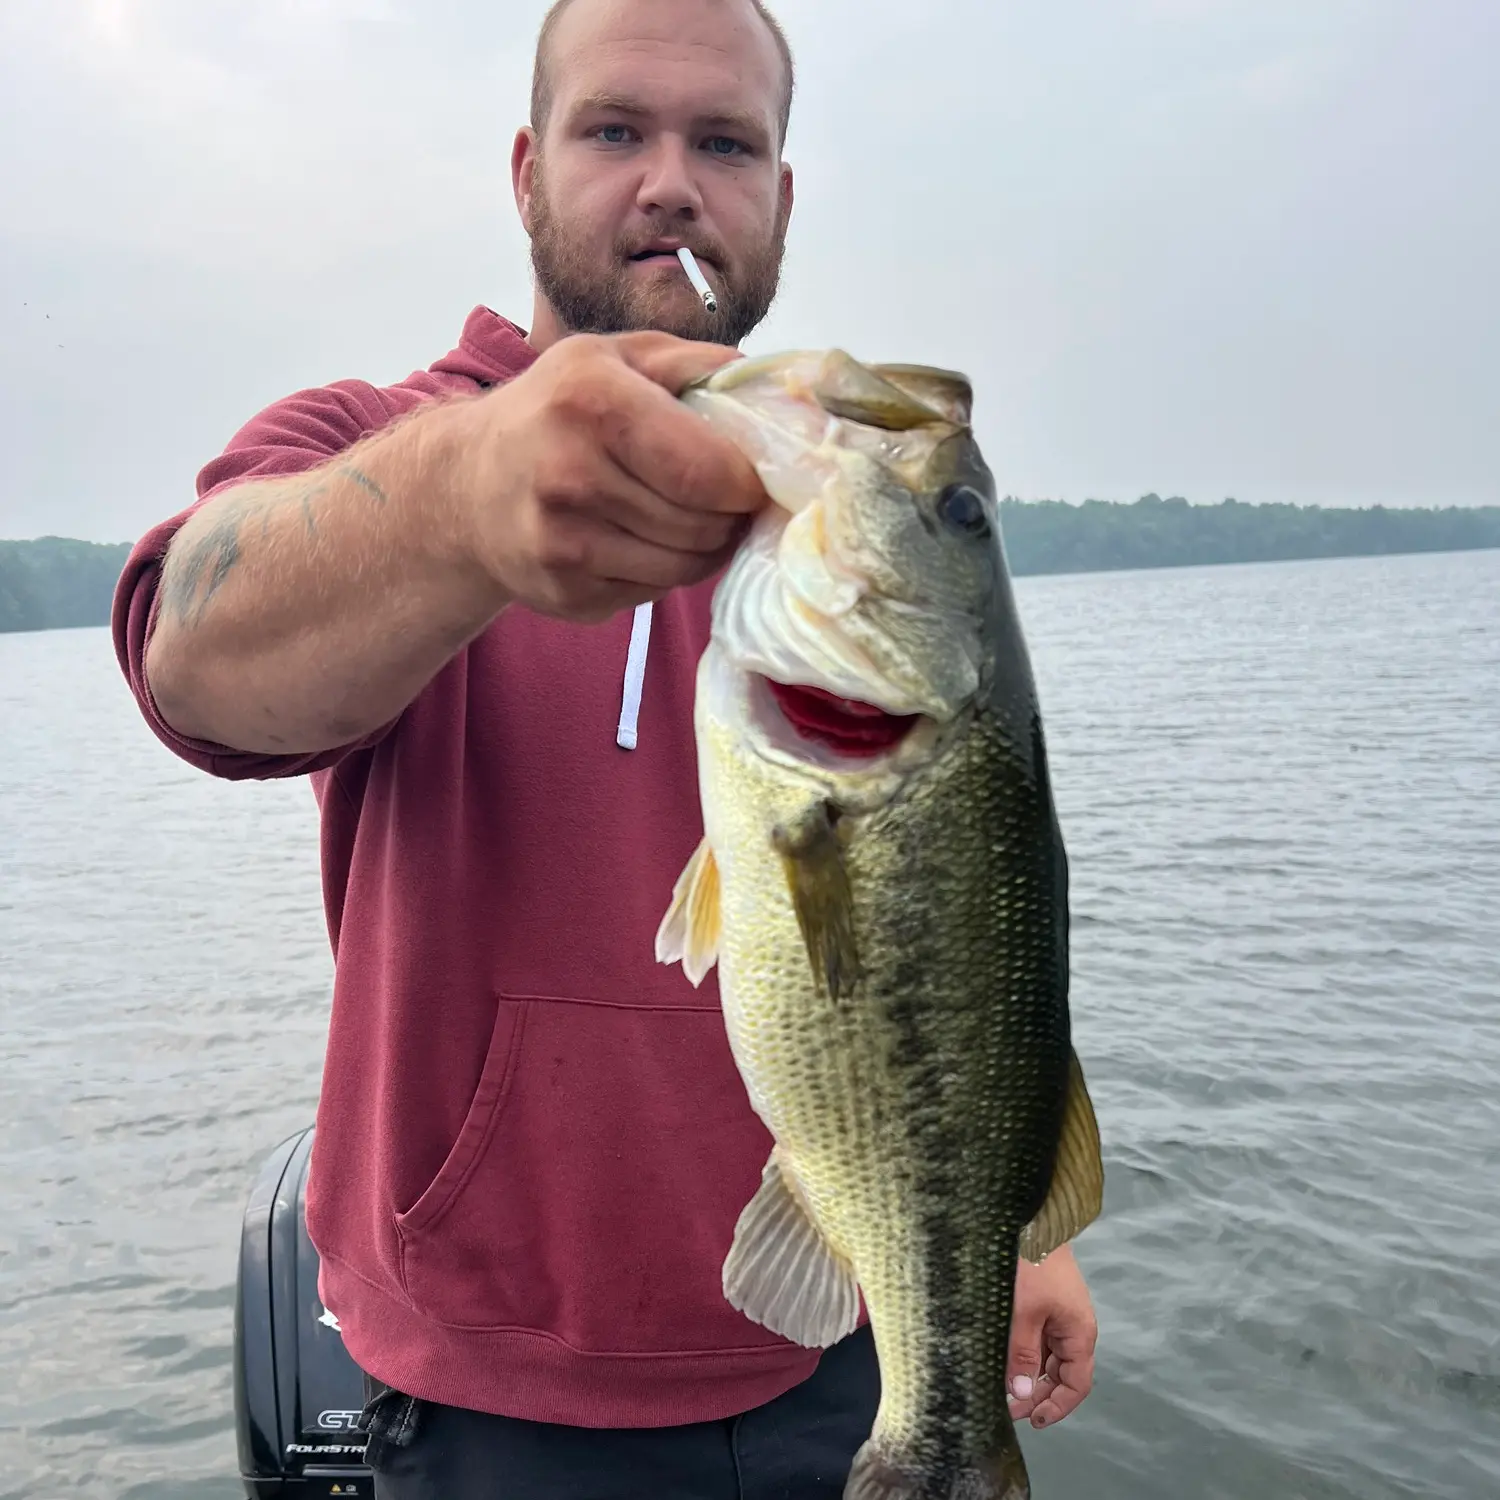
point(635, 678)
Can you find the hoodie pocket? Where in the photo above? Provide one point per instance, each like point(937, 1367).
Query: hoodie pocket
point(593, 1197)
point(479, 1124)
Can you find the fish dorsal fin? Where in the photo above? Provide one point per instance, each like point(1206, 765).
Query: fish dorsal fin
point(947, 392)
point(782, 1272)
point(1077, 1192)
point(690, 930)
point(845, 388)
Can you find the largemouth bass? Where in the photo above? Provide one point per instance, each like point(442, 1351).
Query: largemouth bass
point(883, 886)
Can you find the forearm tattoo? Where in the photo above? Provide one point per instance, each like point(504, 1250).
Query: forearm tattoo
point(199, 561)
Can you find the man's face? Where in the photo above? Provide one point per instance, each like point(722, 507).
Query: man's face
point(662, 132)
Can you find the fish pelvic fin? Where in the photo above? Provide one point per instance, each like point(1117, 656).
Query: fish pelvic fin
point(781, 1272)
point(689, 932)
point(1077, 1193)
point(813, 858)
point(877, 1475)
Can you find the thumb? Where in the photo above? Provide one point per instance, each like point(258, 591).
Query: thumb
point(670, 361)
point(1024, 1363)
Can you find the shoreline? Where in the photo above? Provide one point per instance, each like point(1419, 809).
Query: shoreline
point(61, 583)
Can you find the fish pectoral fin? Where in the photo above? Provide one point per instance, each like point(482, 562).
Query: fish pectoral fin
point(690, 930)
point(1077, 1192)
point(813, 858)
point(781, 1272)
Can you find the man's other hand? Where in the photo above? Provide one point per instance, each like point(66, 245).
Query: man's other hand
point(1052, 1336)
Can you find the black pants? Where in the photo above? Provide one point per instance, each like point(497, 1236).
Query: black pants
point(797, 1447)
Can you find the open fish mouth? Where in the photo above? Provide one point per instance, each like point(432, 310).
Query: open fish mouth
point(820, 693)
point(811, 730)
point(831, 670)
point(851, 730)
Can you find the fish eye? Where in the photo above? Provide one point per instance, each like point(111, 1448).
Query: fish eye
point(961, 507)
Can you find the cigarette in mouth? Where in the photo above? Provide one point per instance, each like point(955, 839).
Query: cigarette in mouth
point(695, 275)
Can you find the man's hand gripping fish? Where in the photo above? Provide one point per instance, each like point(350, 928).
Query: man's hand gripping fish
point(883, 886)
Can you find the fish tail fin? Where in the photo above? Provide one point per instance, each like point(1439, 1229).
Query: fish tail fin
point(880, 1475)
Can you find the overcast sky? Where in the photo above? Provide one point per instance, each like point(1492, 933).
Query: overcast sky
point(1202, 247)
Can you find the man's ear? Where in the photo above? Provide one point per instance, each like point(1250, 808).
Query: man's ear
point(786, 192)
point(523, 154)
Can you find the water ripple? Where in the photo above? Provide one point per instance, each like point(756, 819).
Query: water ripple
point(1280, 789)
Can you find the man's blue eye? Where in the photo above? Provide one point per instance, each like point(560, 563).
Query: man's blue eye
point(614, 135)
point(723, 145)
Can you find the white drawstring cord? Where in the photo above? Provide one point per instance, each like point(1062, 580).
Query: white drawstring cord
point(635, 678)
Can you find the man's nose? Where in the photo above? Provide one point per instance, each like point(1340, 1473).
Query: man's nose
point(668, 187)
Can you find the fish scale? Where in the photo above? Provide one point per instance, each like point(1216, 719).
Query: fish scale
point(890, 931)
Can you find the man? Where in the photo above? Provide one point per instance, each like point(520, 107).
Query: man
point(434, 600)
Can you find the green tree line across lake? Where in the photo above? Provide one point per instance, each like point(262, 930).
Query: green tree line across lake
point(55, 582)
point(1050, 536)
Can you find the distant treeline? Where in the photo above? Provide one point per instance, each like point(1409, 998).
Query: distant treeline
point(1049, 536)
point(57, 582)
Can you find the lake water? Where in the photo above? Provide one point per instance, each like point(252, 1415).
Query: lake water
point(1281, 791)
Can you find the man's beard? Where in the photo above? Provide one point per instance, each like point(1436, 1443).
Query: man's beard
point(591, 299)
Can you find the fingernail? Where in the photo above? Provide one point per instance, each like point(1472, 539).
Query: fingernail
point(1021, 1385)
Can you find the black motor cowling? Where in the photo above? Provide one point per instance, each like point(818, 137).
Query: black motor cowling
point(297, 1392)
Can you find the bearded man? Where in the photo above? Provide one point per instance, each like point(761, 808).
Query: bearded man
point(469, 607)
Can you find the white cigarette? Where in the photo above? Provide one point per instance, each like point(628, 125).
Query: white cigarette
point(695, 275)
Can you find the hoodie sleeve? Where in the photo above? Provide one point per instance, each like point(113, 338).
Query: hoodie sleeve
point(289, 437)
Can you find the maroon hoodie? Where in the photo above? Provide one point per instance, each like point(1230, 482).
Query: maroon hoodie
point(532, 1143)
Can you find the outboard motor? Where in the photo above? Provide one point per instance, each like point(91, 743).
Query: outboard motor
point(297, 1392)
